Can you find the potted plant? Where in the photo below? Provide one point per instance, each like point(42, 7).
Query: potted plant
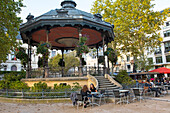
point(22, 56)
point(80, 49)
point(43, 49)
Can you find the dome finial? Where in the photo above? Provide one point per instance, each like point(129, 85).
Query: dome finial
point(68, 4)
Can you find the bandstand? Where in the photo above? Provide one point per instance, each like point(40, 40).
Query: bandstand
point(63, 27)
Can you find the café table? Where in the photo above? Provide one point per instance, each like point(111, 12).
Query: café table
point(126, 92)
point(138, 93)
point(94, 95)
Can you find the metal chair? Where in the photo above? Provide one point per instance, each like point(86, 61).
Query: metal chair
point(148, 92)
point(118, 96)
point(80, 100)
point(165, 88)
point(102, 96)
point(137, 94)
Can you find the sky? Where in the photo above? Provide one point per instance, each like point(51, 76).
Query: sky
point(39, 7)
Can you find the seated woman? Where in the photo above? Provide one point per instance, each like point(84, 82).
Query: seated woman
point(84, 93)
point(92, 89)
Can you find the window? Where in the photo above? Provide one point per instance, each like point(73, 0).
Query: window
point(167, 23)
point(63, 84)
point(122, 59)
point(128, 66)
point(150, 60)
point(159, 59)
point(168, 58)
point(167, 33)
point(14, 68)
point(167, 46)
point(117, 69)
point(158, 50)
point(13, 56)
point(5, 67)
point(7, 57)
point(53, 53)
point(128, 58)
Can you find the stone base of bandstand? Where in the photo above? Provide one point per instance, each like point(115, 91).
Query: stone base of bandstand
point(46, 72)
point(85, 80)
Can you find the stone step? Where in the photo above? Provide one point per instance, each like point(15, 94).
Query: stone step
point(103, 84)
point(99, 77)
point(104, 81)
point(107, 86)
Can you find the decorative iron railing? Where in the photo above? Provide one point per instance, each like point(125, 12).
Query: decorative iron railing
point(43, 94)
point(72, 72)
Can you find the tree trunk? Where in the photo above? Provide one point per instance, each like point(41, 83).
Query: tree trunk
point(112, 68)
point(44, 63)
point(80, 67)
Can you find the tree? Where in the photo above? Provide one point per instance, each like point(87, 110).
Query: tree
point(145, 64)
point(9, 26)
point(136, 24)
point(124, 78)
point(93, 53)
point(23, 56)
point(70, 61)
point(112, 56)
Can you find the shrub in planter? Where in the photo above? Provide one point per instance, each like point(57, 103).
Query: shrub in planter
point(38, 87)
point(124, 78)
point(62, 87)
point(76, 86)
point(12, 81)
point(18, 85)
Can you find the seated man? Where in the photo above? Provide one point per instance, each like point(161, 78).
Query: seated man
point(158, 82)
point(151, 87)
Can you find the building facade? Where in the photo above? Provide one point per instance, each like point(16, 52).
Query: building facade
point(161, 56)
point(14, 64)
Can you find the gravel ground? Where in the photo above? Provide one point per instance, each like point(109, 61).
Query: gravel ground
point(151, 106)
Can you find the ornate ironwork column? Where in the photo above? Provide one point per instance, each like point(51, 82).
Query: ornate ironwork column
point(80, 67)
point(104, 65)
point(62, 51)
point(108, 67)
point(28, 71)
point(30, 57)
point(97, 47)
point(46, 60)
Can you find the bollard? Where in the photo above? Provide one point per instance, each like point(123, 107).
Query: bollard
point(42, 93)
point(7, 92)
point(22, 93)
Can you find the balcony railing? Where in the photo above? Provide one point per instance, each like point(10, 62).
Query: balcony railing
point(167, 50)
point(158, 52)
point(166, 27)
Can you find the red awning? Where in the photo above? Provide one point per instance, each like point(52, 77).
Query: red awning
point(161, 70)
